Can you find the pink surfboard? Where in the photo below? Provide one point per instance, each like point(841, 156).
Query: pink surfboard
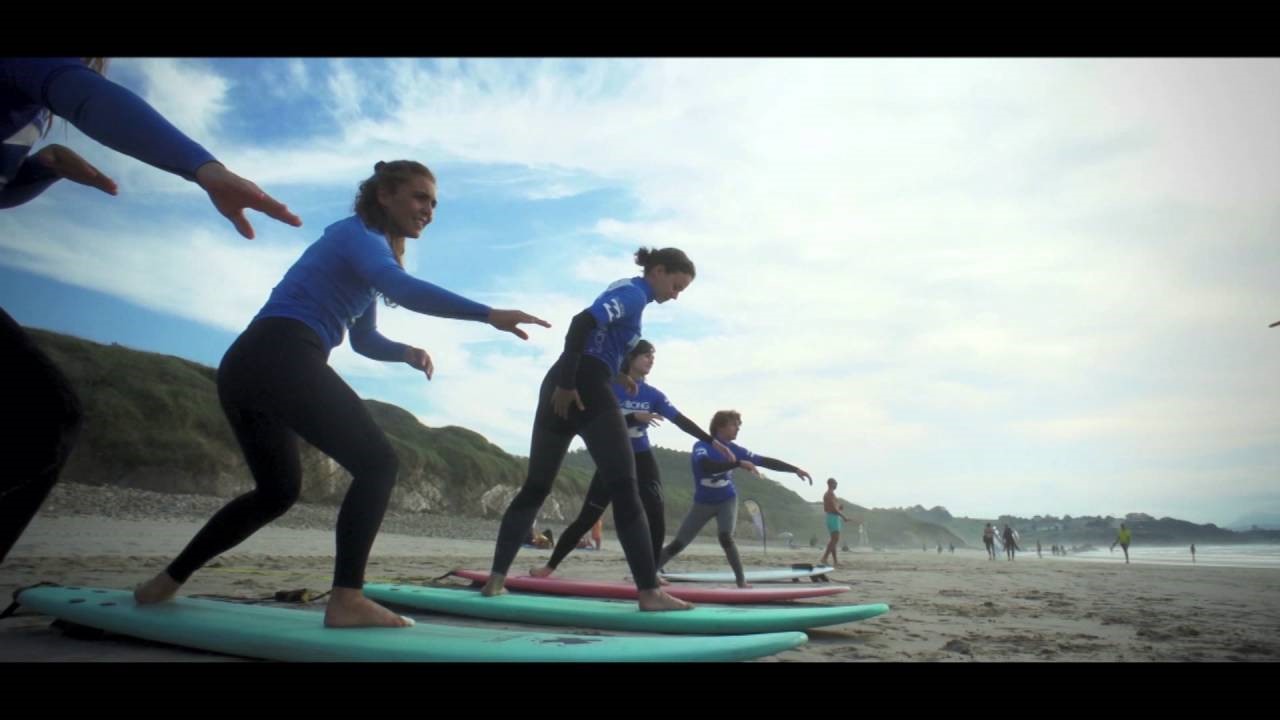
point(627, 591)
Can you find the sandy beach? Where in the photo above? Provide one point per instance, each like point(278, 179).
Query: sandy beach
point(946, 607)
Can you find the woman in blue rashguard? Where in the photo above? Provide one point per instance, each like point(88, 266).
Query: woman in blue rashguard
point(575, 399)
point(275, 384)
point(646, 408)
point(32, 92)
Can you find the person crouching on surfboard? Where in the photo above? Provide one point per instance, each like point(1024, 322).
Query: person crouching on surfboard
point(575, 399)
point(276, 386)
point(714, 495)
point(646, 408)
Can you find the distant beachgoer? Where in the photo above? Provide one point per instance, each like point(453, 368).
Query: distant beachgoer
point(544, 540)
point(1123, 539)
point(1193, 552)
point(835, 518)
point(1039, 554)
point(989, 539)
point(1010, 542)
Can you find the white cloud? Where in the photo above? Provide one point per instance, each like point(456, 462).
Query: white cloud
point(200, 273)
point(187, 94)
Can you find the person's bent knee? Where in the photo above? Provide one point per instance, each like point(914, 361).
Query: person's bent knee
point(626, 514)
point(726, 540)
point(531, 495)
point(277, 502)
point(55, 428)
point(71, 419)
point(382, 466)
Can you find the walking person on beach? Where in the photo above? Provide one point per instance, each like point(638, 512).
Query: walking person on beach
point(575, 399)
point(44, 430)
point(1010, 542)
point(989, 540)
point(275, 384)
point(1122, 539)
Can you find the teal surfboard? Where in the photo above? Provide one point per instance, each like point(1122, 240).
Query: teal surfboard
point(275, 633)
point(797, 572)
point(620, 615)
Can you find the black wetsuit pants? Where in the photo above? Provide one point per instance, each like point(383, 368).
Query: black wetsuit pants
point(605, 433)
point(650, 487)
point(42, 419)
point(275, 385)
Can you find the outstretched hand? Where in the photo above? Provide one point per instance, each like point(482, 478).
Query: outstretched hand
point(418, 358)
point(508, 320)
point(804, 475)
point(67, 164)
point(649, 419)
point(232, 195)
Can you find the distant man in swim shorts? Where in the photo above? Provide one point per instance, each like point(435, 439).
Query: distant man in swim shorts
point(834, 520)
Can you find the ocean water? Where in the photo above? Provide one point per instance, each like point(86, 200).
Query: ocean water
point(1251, 556)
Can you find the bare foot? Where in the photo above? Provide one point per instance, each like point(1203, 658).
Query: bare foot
point(659, 601)
point(349, 608)
point(544, 571)
point(663, 581)
point(494, 586)
point(158, 589)
point(743, 586)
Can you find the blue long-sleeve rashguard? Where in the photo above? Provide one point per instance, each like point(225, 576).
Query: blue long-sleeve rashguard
point(336, 283)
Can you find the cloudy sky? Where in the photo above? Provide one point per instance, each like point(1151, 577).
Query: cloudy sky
point(1025, 286)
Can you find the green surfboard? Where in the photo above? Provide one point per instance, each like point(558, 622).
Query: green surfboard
point(620, 615)
point(275, 633)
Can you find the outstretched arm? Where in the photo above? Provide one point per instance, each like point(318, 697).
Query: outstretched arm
point(124, 122)
point(780, 466)
point(690, 427)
